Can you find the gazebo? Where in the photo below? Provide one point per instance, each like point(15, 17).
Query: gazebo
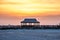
point(30, 21)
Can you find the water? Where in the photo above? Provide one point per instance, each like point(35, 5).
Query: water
point(24, 34)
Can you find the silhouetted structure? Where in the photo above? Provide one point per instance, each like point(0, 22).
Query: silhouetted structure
point(30, 21)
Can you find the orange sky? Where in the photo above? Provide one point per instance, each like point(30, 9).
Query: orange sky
point(18, 9)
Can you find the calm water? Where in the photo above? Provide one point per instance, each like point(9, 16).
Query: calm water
point(30, 34)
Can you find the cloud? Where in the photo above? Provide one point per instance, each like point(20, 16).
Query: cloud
point(10, 3)
point(29, 7)
point(7, 16)
point(7, 2)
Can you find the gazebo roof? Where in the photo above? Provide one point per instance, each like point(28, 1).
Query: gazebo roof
point(30, 20)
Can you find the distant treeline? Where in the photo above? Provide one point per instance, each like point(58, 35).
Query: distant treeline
point(29, 27)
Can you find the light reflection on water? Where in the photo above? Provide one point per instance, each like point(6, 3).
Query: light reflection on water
point(24, 34)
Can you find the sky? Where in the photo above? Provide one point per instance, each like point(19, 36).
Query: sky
point(14, 11)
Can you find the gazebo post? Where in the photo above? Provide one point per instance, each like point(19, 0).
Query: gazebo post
point(30, 23)
point(21, 23)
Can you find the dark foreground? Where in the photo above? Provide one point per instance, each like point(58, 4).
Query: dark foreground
point(25, 34)
point(2, 27)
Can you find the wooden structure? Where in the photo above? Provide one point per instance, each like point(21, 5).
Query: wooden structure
point(30, 21)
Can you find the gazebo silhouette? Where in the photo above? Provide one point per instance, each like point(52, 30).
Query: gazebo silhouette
point(30, 21)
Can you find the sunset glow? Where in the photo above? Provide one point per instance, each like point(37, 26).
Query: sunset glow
point(30, 7)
